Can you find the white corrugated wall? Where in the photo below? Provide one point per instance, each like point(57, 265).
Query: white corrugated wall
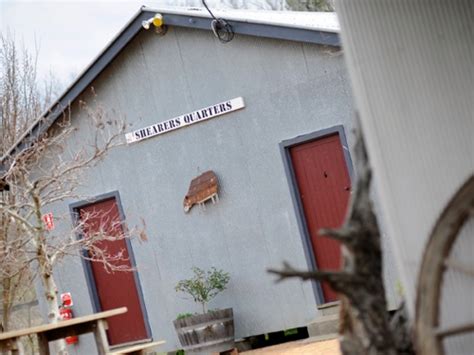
point(411, 68)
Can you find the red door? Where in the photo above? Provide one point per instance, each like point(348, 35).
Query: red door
point(114, 288)
point(324, 186)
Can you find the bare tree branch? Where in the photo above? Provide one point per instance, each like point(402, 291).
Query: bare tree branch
point(48, 171)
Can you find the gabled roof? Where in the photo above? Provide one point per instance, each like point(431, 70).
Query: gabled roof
point(312, 21)
point(313, 27)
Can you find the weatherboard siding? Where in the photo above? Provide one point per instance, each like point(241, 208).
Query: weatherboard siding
point(290, 89)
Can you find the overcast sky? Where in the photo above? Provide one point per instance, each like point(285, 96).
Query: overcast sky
point(70, 34)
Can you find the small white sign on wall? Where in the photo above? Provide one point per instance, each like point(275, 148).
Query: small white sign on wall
point(185, 120)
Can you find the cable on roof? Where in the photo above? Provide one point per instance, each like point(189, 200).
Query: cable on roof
point(221, 28)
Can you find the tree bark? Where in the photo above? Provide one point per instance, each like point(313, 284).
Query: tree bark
point(46, 272)
point(6, 304)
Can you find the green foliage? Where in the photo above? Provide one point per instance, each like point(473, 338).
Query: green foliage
point(184, 315)
point(213, 310)
point(204, 286)
point(289, 332)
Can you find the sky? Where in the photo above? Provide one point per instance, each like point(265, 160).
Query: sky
point(70, 34)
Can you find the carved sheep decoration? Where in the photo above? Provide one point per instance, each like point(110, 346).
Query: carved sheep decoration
point(202, 188)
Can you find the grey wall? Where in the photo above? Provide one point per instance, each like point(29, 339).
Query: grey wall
point(411, 69)
point(289, 89)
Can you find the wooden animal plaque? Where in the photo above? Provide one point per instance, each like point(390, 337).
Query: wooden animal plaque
point(203, 188)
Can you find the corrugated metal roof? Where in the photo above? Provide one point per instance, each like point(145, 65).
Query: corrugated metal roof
point(316, 21)
point(313, 27)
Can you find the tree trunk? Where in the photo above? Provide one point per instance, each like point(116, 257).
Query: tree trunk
point(51, 294)
point(46, 273)
point(6, 280)
point(51, 297)
point(6, 304)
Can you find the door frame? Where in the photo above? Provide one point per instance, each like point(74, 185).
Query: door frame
point(87, 267)
point(285, 147)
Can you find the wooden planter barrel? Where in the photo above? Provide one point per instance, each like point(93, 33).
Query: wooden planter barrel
point(206, 333)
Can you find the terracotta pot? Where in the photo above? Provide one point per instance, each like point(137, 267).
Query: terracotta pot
point(206, 333)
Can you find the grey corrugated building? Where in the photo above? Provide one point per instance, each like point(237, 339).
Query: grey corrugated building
point(277, 133)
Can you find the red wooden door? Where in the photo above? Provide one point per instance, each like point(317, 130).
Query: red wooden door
point(324, 186)
point(114, 288)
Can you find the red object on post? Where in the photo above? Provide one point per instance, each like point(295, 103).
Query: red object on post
point(65, 311)
point(66, 299)
point(48, 221)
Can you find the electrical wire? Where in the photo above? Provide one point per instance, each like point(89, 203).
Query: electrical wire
point(221, 28)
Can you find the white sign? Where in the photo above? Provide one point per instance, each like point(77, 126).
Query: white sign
point(185, 120)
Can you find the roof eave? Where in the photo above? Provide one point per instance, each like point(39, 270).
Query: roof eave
point(177, 18)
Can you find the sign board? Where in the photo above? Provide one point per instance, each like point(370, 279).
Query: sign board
point(48, 221)
point(185, 120)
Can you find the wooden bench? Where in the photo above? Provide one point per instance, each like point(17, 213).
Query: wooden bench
point(138, 349)
point(94, 323)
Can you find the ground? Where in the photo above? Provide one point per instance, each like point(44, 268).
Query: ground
point(300, 347)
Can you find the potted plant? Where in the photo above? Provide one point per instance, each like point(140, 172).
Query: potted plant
point(213, 330)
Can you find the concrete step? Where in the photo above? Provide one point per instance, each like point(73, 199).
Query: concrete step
point(326, 325)
point(319, 338)
point(329, 308)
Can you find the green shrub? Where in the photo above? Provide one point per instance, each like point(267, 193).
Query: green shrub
point(184, 315)
point(204, 286)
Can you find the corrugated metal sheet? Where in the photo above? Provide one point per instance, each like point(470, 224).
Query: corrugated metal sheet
point(319, 21)
point(253, 226)
point(410, 63)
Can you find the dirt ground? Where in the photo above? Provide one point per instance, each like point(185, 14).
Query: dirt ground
point(306, 346)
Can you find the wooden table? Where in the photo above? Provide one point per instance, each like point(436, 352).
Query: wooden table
point(94, 323)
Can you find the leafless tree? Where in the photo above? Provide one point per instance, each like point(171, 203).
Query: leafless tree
point(47, 171)
point(22, 98)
